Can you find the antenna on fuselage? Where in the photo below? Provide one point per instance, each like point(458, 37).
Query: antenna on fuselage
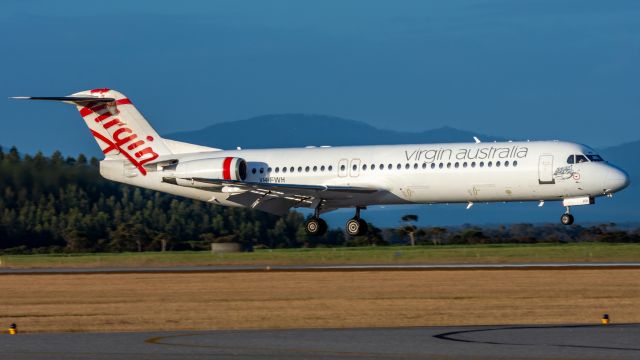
point(477, 140)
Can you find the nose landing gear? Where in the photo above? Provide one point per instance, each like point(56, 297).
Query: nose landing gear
point(356, 226)
point(566, 218)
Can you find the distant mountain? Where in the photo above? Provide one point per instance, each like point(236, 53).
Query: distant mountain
point(297, 130)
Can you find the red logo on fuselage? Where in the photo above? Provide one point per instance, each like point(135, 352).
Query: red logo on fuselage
point(124, 140)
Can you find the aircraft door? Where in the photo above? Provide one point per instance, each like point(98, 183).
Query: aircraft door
point(545, 169)
point(354, 170)
point(343, 165)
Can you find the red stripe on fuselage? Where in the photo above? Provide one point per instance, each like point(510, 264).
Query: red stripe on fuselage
point(226, 168)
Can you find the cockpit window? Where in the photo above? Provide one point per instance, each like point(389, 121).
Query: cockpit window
point(595, 158)
point(581, 158)
point(571, 159)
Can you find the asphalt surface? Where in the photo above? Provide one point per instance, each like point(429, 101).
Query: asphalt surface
point(283, 268)
point(466, 343)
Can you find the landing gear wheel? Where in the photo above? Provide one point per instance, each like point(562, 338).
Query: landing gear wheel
point(316, 227)
point(356, 227)
point(566, 219)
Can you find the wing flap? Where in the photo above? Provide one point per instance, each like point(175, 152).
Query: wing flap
point(320, 191)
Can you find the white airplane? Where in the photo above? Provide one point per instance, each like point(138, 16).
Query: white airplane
point(327, 178)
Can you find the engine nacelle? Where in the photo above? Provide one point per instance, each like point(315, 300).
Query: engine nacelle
point(229, 168)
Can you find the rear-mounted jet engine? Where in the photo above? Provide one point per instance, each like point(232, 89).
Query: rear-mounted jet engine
point(193, 172)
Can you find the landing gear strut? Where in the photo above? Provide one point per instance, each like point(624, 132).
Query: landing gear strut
point(316, 226)
point(356, 226)
point(566, 218)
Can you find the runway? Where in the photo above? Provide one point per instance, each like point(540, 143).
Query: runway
point(470, 343)
point(310, 268)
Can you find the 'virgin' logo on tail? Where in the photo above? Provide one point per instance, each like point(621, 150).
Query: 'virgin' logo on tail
point(137, 150)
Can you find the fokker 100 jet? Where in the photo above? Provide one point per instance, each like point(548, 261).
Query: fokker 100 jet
point(327, 178)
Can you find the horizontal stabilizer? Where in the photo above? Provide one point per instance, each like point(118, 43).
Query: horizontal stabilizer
point(72, 99)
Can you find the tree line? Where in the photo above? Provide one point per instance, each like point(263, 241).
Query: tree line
point(62, 204)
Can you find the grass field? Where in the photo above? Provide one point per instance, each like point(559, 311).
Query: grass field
point(137, 302)
point(578, 252)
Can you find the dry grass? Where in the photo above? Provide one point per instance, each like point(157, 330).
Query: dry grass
point(128, 302)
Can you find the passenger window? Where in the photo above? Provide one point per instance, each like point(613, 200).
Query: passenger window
point(354, 167)
point(489, 164)
point(381, 167)
point(322, 168)
point(497, 163)
point(364, 167)
point(299, 168)
point(342, 167)
point(473, 164)
point(306, 169)
point(390, 167)
point(284, 169)
point(481, 163)
point(261, 170)
point(253, 171)
point(415, 166)
point(581, 159)
point(398, 166)
point(315, 168)
point(464, 165)
point(424, 165)
point(330, 167)
point(457, 165)
point(506, 163)
point(433, 165)
point(571, 159)
point(448, 165)
point(441, 165)
point(515, 162)
point(269, 169)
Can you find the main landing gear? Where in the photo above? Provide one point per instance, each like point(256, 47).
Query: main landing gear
point(316, 226)
point(356, 226)
point(566, 218)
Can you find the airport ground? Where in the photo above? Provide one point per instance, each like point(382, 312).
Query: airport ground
point(317, 299)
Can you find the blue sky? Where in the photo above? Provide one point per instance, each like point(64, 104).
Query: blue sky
point(522, 69)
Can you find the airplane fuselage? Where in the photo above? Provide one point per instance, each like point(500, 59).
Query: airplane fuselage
point(416, 173)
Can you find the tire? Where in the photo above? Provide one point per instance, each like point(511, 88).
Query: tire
point(356, 227)
point(315, 227)
point(312, 226)
point(353, 227)
point(566, 219)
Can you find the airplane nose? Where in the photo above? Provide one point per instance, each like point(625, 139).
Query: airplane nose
point(617, 179)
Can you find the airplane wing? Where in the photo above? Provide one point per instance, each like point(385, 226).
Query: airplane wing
point(279, 198)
